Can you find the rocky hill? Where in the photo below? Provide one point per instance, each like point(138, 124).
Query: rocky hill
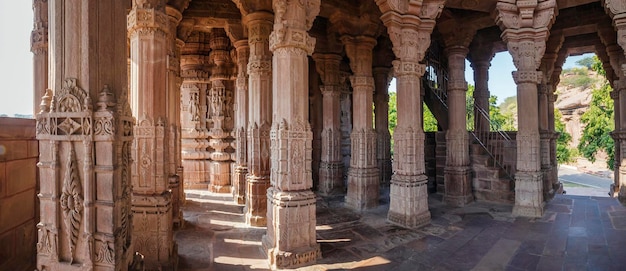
point(574, 96)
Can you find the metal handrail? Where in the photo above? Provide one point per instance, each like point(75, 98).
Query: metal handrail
point(492, 142)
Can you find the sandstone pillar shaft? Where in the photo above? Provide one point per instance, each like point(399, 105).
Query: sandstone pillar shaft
point(481, 94)
point(241, 121)
point(363, 183)
point(152, 198)
point(545, 135)
point(457, 173)
point(219, 100)
point(331, 166)
point(85, 136)
point(259, 116)
point(526, 40)
point(617, 10)
point(408, 196)
point(193, 115)
point(175, 168)
point(290, 240)
point(381, 115)
point(39, 48)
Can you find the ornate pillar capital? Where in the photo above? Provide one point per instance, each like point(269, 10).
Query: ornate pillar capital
point(290, 30)
point(147, 19)
point(327, 65)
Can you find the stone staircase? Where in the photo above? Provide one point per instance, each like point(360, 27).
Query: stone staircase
point(490, 181)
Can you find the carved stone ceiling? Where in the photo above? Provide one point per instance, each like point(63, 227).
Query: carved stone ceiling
point(576, 17)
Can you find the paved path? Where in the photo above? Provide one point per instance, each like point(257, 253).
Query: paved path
point(591, 185)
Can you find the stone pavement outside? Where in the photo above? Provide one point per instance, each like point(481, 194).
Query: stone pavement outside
point(576, 233)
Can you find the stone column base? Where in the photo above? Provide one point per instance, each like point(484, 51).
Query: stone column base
point(384, 171)
point(408, 201)
point(256, 200)
point(363, 188)
point(177, 213)
point(152, 234)
point(528, 194)
point(458, 183)
point(239, 184)
point(331, 178)
point(196, 174)
point(220, 177)
point(290, 241)
point(548, 183)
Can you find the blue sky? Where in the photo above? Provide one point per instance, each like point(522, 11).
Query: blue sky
point(16, 94)
point(500, 78)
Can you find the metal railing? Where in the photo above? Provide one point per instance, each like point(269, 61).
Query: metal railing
point(492, 142)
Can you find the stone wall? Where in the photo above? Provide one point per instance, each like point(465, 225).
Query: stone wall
point(18, 188)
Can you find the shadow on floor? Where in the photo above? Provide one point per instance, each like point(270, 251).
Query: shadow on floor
point(575, 233)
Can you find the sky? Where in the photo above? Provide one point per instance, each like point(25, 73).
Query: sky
point(16, 67)
point(16, 72)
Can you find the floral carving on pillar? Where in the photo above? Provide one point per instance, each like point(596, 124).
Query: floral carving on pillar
point(72, 201)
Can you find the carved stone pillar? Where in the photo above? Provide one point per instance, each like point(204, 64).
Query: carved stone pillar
point(557, 186)
point(617, 11)
point(525, 30)
point(545, 135)
point(290, 240)
point(194, 133)
point(481, 92)
point(218, 103)
point(241, 121)
point(408, 194)
point(363, 183)
point(152, 198)
point(173, 114)
point(457, 173)
point(85, 135)
point(39, 48)
point(381, 115)
point(259, 116)
point(331, 167)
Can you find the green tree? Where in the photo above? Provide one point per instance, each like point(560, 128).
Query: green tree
point(564, 154)
point(599, 123)
point(393, 112)
point(469, 107)
point(430, 123)
point(587, 62)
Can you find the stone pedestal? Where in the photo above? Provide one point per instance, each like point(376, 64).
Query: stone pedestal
point(408, 208)
point(363, 182)
point(458, 182)
point(528, 194)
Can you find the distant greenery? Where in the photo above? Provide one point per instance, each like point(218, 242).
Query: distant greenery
point(564, 154)
point(579, 76)
point(393, 113)
point(430, 122)
point(599, 122)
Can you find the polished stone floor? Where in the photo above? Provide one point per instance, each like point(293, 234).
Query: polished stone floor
point(576, 233)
